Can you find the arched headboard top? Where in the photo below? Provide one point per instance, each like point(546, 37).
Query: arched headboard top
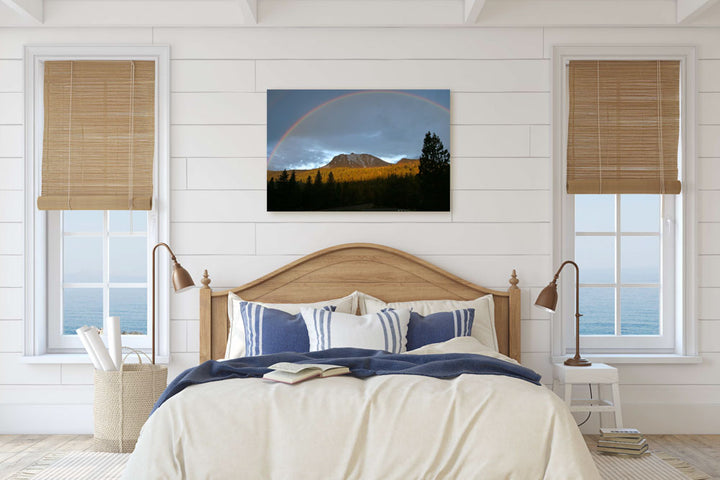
point(383, 272)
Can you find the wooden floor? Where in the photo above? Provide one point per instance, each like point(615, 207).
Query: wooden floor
point(700, 451)
point(19, 451)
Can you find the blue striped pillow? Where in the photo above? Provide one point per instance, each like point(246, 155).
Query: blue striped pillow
point(273, 331)
point(377, 331)
point(439, 327)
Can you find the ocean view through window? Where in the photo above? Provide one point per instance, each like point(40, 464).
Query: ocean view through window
point(618, 245)
point(104, 269)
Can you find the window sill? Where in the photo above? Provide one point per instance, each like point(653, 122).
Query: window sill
point(640, 358)
point(77, 359)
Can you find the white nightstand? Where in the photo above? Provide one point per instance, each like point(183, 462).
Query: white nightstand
point(597, 373)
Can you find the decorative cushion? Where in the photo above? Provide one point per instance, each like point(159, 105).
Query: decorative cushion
point(460, 345)
point(438, 327)
point(483, 325)
point(378, 331)
point(236, 335)
point(268, 330)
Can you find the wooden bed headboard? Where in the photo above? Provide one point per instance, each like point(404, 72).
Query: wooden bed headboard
point(380, 271)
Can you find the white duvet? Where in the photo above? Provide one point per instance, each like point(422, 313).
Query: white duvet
point(383, 427)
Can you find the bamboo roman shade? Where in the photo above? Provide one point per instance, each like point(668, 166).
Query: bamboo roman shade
point(624, 126)
point(99, 135)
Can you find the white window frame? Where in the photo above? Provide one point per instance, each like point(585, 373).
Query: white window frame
point(679, 222)
point(37, 279)
point(56, 340)
point(663, 343)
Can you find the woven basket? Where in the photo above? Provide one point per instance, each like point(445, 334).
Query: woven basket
point(123, 402)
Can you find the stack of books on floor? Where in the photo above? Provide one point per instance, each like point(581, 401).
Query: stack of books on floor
point(624, 441)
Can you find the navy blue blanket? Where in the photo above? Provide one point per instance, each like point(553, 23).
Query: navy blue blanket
point(362, 363)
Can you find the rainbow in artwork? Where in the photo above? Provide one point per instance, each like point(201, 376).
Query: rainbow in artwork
point(358, 149)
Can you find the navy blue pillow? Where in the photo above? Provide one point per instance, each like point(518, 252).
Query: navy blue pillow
point(268, 330)
point(439, 327)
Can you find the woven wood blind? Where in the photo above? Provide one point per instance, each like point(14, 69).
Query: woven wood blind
point(99, 135)
point(624, 127)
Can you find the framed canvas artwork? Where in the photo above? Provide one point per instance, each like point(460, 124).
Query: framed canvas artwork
point(358, 150)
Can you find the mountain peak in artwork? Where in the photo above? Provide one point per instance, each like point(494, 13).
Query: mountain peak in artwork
point(406, 160)
point(356, 160)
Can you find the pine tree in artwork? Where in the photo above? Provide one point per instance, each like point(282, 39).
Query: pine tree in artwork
point(284, 177)
point(435, 159)
point(434, 174)
point(282, 191)
point(318, 178)
point(271, 195)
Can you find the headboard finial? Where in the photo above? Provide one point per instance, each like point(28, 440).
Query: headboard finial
point(514, 279)
point(205, 280)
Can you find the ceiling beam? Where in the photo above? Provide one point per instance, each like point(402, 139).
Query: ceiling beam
point(32, 9)
point(472, 10)
point(691, 9)
point(249, 10)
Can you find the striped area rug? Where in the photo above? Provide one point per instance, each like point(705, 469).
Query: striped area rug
point(651, 466)
point(110, 466)
point(76, 466)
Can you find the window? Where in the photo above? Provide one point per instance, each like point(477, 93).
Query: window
point(626, 285)
point(85, 265)
point(98, 268)
point(635, 250)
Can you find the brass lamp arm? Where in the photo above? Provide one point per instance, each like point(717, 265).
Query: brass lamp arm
point(162, 244)
point(577, 283)
point(577, 360)
point(172, 256)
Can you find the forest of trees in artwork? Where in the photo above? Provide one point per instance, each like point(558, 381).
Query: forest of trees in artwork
point(420, 185)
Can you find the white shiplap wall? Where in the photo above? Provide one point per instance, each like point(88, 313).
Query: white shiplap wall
point(501, 179)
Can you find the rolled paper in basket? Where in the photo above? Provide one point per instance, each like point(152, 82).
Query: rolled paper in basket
point(91, 353)
point(114, 341)
point(96, 343)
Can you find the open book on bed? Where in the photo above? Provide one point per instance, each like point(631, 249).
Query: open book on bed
point(292, 373)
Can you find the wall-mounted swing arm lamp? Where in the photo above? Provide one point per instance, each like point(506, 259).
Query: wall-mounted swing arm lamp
point(547, 300)
point(181, 281)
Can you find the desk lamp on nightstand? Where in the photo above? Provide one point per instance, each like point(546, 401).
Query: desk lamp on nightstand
point(547, 300)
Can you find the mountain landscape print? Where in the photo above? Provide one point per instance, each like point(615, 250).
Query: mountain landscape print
point(358, 150)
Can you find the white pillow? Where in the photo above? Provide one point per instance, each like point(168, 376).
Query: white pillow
point(236, 337)
point(460, 345)
point(483, 325)
point(377, 331)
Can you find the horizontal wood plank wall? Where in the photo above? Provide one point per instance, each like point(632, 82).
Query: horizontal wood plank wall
point(501, 185)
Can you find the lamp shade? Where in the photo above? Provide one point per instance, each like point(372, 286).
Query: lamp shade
point(547, 300)
point(181, 279)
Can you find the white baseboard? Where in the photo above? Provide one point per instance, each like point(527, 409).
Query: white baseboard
point(46, 419)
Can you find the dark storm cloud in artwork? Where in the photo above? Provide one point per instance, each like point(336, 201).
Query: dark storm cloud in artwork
point(307, 128)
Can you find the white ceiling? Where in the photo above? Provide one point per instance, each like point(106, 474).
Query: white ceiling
point(339, 13)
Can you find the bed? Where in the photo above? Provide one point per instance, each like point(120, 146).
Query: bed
point(380, 427)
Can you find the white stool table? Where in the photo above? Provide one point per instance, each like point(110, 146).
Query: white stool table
point(597, 373)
